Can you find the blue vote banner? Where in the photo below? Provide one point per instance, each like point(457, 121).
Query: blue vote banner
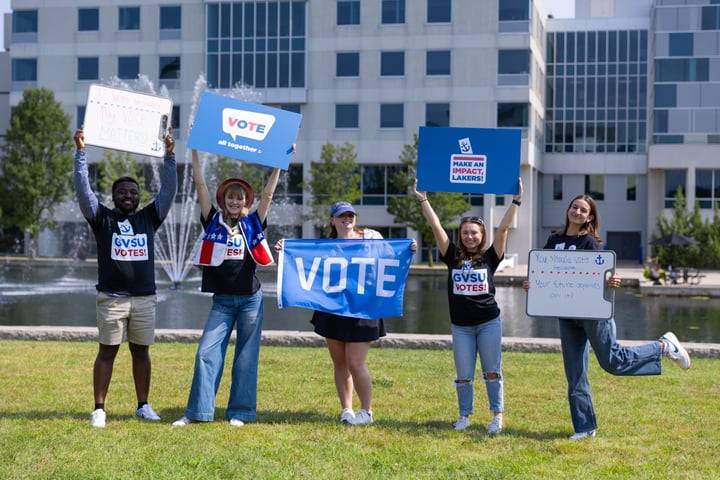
point(468, 160)
point(356, 278)
point(246, 131)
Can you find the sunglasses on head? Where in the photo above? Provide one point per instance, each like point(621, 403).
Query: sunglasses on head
point(472, 219)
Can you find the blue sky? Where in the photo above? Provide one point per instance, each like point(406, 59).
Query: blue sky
point(559, 9)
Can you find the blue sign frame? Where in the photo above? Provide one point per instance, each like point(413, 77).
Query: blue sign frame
point(469, 160)
point(247, 131)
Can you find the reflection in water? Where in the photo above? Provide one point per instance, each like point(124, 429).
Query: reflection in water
point(66, 296)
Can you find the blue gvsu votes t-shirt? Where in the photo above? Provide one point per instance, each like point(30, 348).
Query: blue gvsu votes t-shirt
point(471, 288)
point(569, 242)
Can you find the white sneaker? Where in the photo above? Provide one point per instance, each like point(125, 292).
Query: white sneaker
point(347, 416)
point(182, 422)
point(582, 435)
point(97, 418)
point(236, 422)
point(495, 426)
point(363, 417)
point(674, 351)
point(462, 423)
point(147, 413)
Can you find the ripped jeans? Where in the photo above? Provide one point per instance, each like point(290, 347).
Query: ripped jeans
point(486, 340)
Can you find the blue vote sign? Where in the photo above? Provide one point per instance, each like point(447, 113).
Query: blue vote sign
point(472, 160)
point(246, 131)
point(356, 278)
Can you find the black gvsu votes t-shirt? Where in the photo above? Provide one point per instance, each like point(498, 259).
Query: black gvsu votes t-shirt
point(471, 288)
point(235, 275)
point(568, 242)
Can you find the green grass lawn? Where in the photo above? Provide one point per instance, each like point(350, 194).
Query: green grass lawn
point(650, 427)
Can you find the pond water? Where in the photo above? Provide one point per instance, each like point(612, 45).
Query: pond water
point(65, 296)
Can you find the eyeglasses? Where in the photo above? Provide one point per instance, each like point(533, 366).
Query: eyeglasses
point(472, 219)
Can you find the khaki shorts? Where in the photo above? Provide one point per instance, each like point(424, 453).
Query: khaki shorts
point(134, 315)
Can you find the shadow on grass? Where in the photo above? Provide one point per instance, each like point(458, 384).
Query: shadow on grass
point(55, 415)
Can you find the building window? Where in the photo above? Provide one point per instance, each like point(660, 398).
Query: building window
point(557, 187)
point(674, 181)
point(88, 19)
point(513, 67)
point(24, 70)
point(170, 18)
point(513, 10)
point(129, 18)
point(439, 11)
point(128, 67)
point(392, 64)
point(710, 18)
point(681, 44)
point(666, 95)
point(377, 183)
point(707, 188)
point(475, 199)
point(348, 12)
point(631, 190)
point(681, 70)
point(596, 91)
point(175, 120)
point(512, 114)
point(290, 107)
point(25, 21)
point(347, 64)
point(595, 186)
point(393, 11)
point(346, 115)
point(256, 43)
point(437, 115)
point(437, 62)
point(169, 68)
point(391, 115)
point(87, 68)
point(514, 61)
point(79, 116)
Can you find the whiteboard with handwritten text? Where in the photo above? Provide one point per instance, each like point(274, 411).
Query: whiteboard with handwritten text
point(127, 121)
point(570, 284)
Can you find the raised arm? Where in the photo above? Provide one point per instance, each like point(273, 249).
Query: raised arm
point(438, 232)
point(168, 178)
point(267, 194)
point(200, 186)
point(86, 197)
point(501, 233)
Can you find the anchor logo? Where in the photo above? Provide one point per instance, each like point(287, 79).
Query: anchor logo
point(156, 146)
point(599, 260)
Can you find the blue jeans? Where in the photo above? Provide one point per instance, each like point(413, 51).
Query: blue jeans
point(486, 340)
point(575, 335)
point(228, 310)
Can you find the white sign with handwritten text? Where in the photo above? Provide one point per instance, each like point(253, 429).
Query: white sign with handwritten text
point(127, 121)
point(570, 284)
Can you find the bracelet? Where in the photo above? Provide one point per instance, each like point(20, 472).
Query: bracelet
point(423, 200)
point(516, 202)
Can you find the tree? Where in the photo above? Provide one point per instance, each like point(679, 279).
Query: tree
point(121, 164)
point(335, 178)
point(37, 164)
point(406, 209)
point(255, 175)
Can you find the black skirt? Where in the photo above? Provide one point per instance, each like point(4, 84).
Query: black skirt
point(347, 329)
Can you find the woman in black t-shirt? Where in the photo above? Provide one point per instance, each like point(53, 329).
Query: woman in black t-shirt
point(581, 233)
point(228, 264)
point(475, 319)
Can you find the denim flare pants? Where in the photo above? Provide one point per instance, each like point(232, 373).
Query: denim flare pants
point(228, 311)
point(484, 340)
point(575, 336)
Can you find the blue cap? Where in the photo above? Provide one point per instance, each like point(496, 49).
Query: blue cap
point(338, 208)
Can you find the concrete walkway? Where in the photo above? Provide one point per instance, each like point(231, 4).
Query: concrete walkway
point(287, 338)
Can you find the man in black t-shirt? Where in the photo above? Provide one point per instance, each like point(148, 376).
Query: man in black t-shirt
point(126, 274)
